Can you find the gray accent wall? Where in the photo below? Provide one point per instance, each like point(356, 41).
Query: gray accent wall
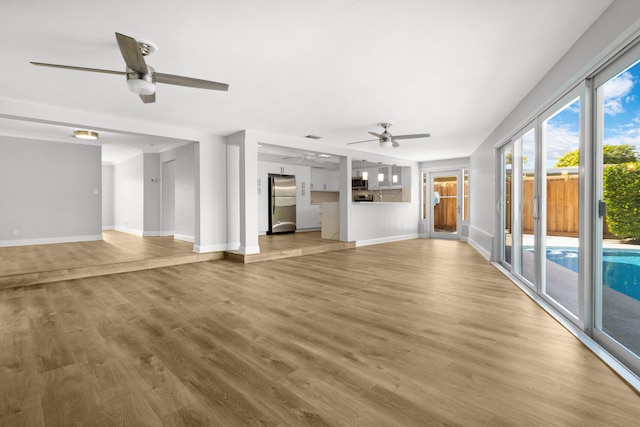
point(50, 192)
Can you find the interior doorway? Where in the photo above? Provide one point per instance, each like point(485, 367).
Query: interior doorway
point(445, 204)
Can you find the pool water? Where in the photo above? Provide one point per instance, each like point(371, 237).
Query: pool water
point(620, 267)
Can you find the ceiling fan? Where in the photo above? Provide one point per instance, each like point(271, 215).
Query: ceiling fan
point(142, 78)
point(308, 156)
point(388, 140)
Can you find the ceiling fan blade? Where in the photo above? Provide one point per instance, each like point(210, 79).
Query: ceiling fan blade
point(360, 142)
point(416, 135)
point(394, 143)
point(189, 82)
point(376, 134)
point(131, 53)
point(148, 99)
point(71, 67)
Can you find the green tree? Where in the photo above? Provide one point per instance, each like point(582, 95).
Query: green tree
point(612, 155)
point(622, 195)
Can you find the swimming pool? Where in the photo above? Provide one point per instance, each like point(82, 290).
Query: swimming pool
point(620, 267)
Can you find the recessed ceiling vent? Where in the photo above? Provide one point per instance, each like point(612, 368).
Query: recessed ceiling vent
point(313, 136)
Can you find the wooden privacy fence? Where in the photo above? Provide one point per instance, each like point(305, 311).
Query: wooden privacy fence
point(444, 213)
point(562, 206)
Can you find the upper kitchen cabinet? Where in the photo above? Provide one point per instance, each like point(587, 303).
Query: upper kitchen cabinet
point(325, 179)
point(281, 168)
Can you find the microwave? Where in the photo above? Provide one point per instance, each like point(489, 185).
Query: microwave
point(359, 184)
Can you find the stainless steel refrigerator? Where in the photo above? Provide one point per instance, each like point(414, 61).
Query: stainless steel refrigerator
point(282, 204)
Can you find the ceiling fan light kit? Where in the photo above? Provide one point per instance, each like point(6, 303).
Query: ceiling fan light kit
point(142, 78)
point(141, 84)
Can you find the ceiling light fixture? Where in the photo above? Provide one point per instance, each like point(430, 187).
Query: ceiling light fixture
point(85, 134)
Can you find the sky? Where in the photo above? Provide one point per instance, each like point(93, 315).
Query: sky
point(621, 119)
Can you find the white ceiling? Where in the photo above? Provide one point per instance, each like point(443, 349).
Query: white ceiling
point(333, 68)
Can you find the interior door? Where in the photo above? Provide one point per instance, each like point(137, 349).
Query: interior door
point(446, 206)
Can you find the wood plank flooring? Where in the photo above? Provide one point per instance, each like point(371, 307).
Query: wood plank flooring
point(117, 253)
point(281, 246)
point(419, 332)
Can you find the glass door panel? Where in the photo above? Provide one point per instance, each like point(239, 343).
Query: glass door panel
point(445, 218)
point(526, 148)
point(506, 187)
point(560, 146)
point(617, 282)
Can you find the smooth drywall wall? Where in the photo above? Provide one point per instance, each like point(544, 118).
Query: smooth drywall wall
point(108, 197)
point(49, 192)
point(602, 40)
point(129, 192)
point(373, 223)
point(185, 192)
point(152, 192)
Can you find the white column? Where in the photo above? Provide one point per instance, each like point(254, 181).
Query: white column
point(233, 196)
point(248, 172)
point(345, 198)
point(211, 195)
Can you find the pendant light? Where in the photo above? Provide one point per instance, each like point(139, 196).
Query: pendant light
point(365, 174)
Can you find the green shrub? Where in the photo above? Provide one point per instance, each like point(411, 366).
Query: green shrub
point(622, 195)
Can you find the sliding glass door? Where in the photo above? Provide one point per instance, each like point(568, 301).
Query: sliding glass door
point(560, 205)
point(517, 206)
point(504, 204)
point(540, 205)
point(617, 272)
point(569, 207)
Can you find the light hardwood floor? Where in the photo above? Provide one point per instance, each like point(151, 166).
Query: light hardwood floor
point(419, 332)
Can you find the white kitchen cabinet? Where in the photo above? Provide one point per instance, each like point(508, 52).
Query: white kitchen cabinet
point(315, 217)
point(318, 179)
point(325, 179)
point(303, 197)
point(332, 179)
point(281, 168)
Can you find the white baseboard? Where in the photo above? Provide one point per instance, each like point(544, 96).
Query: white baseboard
point(233, 246)
point(152, 233)
point(485, 253)
point(167, 233)
point(50, 240)
point(210, 248)
point(184, 238)
point(108, 227)
point(128, 230)
point(386, 239)
point(247, 250)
